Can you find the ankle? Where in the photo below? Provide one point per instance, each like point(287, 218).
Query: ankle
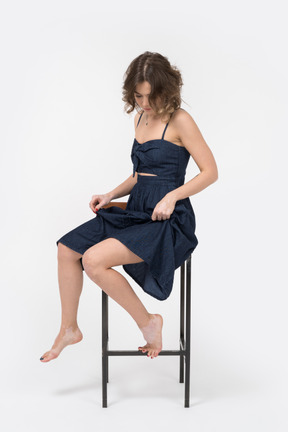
point(146, 321)
point(72, 327)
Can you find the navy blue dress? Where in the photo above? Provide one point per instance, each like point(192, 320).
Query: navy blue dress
point(163, 245)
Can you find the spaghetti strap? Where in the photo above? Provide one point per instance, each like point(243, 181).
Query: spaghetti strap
point(164, 130)
point(139, 118)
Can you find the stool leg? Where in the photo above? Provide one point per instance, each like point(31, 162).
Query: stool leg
point(107, 338)
point(104, 348)
point(188, 332)
point(182, 311)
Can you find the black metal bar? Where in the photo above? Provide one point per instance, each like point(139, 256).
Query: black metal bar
point(182, 299)
point(107, 336)
point(139, 353)
point(188, 332)
point(104, 349)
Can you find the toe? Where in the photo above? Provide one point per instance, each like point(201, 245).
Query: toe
point(49, 355)
point(43, 357)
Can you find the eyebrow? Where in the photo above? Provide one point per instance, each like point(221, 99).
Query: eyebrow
point(139, 93)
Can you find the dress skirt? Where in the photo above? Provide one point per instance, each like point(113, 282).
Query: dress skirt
point(163, 245)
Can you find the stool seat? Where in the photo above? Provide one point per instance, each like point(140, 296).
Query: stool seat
point(185, 331)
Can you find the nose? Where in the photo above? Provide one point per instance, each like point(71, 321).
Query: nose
point(146, 102)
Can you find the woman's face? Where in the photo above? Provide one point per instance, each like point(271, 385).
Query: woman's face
point(142, 92)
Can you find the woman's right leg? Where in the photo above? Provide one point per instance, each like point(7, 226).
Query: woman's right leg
point(70, 279)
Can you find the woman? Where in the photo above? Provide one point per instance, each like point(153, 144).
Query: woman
point(156, 232)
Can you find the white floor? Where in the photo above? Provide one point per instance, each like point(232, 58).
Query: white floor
point(144, 394)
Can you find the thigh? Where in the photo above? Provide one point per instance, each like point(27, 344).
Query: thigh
point(66, 252)
point(108, 253)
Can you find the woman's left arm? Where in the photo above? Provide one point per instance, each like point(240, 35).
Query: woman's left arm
point(194, 142)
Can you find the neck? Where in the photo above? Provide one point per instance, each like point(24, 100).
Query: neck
point(150, 117)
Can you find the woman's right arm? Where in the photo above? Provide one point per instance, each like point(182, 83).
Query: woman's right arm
point(124, 188)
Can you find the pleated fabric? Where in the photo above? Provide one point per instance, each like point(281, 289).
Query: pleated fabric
point(163, 245)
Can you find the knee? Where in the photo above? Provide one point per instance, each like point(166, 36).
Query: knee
point(91, 263)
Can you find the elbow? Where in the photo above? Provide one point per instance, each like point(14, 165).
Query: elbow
point(211, 172)
point(214, 175)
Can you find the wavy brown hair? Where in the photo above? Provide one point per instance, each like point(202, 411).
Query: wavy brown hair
point(165, 80)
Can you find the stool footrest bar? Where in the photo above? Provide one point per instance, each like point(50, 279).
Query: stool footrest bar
point(136, 353)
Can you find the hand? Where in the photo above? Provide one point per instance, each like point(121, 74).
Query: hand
point(99, 201)
point(163, 208)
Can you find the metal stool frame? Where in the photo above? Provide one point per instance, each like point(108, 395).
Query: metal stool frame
point(185, 332)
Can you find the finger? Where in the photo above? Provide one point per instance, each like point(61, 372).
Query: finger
point(98, 206)
point(93, 208)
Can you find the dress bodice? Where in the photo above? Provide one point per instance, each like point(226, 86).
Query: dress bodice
point(162, 158)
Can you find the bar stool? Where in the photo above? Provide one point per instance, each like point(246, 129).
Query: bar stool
point(185, 331)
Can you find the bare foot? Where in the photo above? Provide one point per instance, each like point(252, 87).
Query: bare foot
point(65, 337)
point(153, 335)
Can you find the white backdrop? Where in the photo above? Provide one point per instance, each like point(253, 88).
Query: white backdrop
point(65, 136)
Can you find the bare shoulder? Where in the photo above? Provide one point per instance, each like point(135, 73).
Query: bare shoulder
point(192, 139)
point(181, 123)
point(186, 129)
point(181, 118)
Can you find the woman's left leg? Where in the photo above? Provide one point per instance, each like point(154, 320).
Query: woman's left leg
point(97, 262)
